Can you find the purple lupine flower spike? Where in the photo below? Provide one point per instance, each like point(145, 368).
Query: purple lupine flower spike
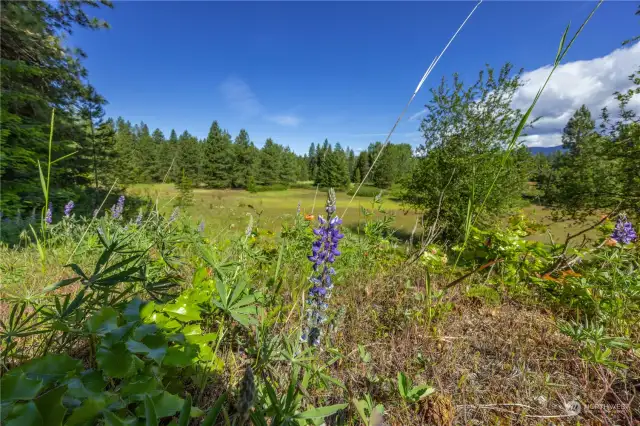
point(68, 208)
point(118, 208)
point(323, 252)
point(624, 233)
point(174, 215)
point(48, 217)
point(138, 221)
point(201, 226)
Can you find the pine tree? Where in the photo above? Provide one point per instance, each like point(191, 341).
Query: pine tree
point(188, 156)
point(356, 177)
point(126, 171)
point(145, 154)
point(351, 161)
point(160, 153)
point(218, 157)
point(362, 164)
point(185, 190)
point(270, 163)
point(312, 162)
point(288, 171)
point(342, 167)
point(40, 73)
point(170, 162)
point(580, 127)
point(246, 160)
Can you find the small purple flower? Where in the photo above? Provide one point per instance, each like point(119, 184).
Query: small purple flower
point(201, 226)
point(138, 220)
point(68, 208)
point(174, 215)
point(298, 209)
point(118, 208)
point(323, 253)
point(48, 217)
point(624, 232)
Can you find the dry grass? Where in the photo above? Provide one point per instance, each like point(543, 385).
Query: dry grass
point(490, 364)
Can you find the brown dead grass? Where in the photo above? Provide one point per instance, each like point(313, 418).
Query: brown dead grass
point(505, 364)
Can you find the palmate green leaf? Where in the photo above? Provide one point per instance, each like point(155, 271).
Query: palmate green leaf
point(321, 412)
point(180, 356)
point(25, 414)
point(89, 384)
point(222, 292)
point(154, 346)
point(89, 409)
point(183, 311)
point(103, 321)
point(140, 384)
point(112, 420)
point(164, 404)
point(16, 387)
point(117, 361)
point(51, 368)
point(50, 406)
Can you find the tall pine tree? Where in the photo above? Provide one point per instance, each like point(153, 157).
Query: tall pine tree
point(218, 158)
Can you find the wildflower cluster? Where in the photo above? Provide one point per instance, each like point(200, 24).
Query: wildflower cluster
point(68, 208)
point(118, 208)
point(624, 232)
point(324, 252)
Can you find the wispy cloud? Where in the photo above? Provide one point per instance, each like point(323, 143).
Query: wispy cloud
point(285, 120)
point(243, 101)
point(418, 115)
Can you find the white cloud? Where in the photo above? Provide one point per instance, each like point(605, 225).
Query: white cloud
point(590, 82)
point(285, 120)
point(244, 101)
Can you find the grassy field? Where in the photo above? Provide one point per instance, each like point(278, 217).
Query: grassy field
point(226, 210)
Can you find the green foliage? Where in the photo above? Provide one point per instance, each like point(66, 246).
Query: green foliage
point(39, 72)
point(601, 169)
point(467, 131)
point(411, 393)
point(369, 412)
point(185, 187)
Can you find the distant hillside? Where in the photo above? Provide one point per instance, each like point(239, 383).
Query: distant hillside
point(546, 150)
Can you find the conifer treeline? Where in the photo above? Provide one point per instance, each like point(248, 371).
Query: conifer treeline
point(134, 154)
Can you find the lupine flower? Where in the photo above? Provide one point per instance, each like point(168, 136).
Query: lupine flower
point(624, 233)
point(138, 221)
point(201, 226)
point(48, 217)
point(247, 395)
point(323, 253)
point(118, 208)
point(174, 215)
point(68, 208)
point(298, 209)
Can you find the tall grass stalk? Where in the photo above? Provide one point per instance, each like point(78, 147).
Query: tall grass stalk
point(563, 49)
point(415, 92)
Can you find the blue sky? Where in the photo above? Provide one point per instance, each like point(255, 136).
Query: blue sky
point(301, 72)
